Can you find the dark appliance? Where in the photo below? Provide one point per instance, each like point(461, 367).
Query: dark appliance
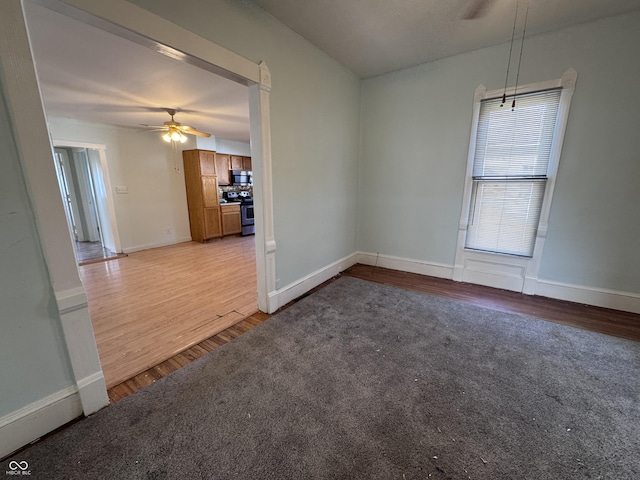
point(241, 177)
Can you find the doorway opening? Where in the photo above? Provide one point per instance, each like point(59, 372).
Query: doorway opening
point(147, 307)
point(85, 199)
point(149, 30)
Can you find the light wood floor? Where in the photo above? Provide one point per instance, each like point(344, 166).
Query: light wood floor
point(93, 252)
point(151, 305)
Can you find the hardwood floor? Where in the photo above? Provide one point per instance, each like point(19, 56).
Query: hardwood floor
point(610, 322)
point(151, 305)
point(93, 252)
point(143, 379)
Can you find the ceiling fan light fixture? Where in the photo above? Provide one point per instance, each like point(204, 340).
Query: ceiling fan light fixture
point(176, 136)
point(175, 132)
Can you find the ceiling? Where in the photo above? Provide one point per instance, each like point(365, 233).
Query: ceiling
point(91, 75)
point(88, 74)
point(372, 37)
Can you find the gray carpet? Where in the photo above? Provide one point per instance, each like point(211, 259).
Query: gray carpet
point(361, 380)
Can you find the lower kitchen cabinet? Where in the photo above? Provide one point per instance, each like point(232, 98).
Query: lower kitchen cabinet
point(231, 220)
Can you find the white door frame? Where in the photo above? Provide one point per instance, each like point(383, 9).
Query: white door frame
point(109, 226)
point(34, 146)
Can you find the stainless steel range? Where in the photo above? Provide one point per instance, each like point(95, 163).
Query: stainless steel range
point(246, 210)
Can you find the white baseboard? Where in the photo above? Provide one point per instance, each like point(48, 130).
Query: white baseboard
point(599, 297)
point(138, 248)
point(296, 289)
point(93, 392)
point(32, 421)
point(431, 269)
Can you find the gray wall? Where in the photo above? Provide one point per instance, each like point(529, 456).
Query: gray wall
point(33, 358)
point(315, 115)
point(315, 120)
point(415, 135)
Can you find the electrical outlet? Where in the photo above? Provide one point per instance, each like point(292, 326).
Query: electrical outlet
point(122, 189)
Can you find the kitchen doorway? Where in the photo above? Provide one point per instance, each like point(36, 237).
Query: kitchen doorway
point(73, 309)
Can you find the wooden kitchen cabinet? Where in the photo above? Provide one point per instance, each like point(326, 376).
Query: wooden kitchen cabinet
point(236, 162)
point(210, 194)
point(246, 164)
point(231, 220)
point(212, 223)
point(202, 194)
point(207, 162)
point(223, 165)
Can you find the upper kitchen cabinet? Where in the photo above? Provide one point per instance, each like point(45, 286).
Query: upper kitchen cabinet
point(246, 164)
point(223, 165)
point(203, 160)
point(207, 162)
point(236, 162)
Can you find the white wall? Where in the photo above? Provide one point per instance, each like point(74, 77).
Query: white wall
point(415, 134)
point(145, 164)
point(223, 145)
point(314, 127)
point(234, 148)
point(33, 357)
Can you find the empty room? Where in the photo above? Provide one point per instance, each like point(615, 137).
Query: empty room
point(446, 267)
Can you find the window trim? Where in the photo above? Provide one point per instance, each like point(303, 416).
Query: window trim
point(499, 269)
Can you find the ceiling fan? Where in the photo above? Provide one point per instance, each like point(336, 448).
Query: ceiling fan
point(175, 131)
point(477, 9)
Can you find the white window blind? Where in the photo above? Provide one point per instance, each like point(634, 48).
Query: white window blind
point(510, 167)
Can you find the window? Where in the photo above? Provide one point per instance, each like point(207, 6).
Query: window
point(510, 172)
point(509, 183)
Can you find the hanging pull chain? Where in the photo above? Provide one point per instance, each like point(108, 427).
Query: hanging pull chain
point(513, 34)
point(524, 31)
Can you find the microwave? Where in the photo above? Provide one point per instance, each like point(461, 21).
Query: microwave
point(241, 177)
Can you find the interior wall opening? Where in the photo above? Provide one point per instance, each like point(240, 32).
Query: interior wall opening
point(218, 296)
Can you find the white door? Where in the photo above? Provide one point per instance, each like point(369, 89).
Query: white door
point(67, 191)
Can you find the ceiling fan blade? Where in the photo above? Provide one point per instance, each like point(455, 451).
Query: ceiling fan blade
point(477, 9)
point(193, 131)
point(151, 130)
point(173, 126)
